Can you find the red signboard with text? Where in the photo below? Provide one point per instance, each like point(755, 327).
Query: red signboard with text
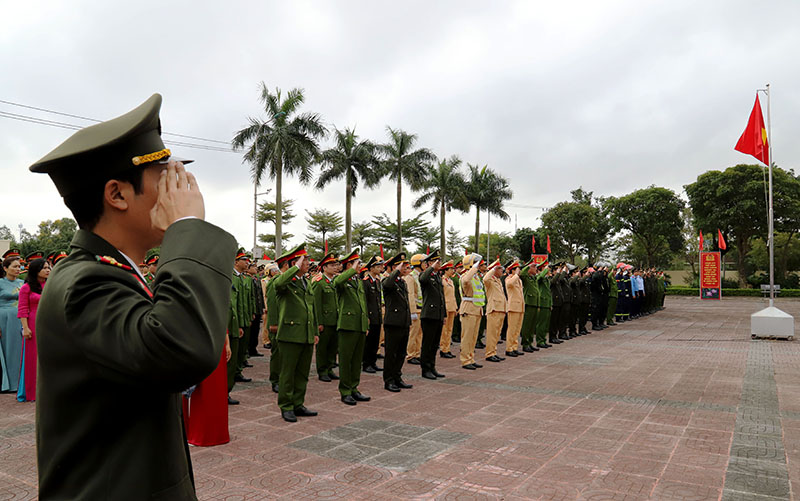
point(710, 275)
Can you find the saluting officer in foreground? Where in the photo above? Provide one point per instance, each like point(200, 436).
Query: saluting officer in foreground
point(114, 355)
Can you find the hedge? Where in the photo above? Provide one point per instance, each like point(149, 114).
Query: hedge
point(694, 291)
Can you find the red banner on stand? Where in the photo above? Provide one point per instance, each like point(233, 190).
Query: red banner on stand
point(539, 259)
point(710, 275)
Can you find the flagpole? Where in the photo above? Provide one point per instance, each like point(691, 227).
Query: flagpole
point(770, 230)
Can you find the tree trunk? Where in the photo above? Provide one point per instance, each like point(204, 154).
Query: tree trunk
point(278, 207)
point(399, 220)
point(477, 229)
point(785, 256)
point(743, 246)
point(348, 227)
point(442, 248)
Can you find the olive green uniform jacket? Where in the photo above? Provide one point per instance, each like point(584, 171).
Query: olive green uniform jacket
point(325, 301)
point(297, 320)
point(113, 361)
point(351, 301)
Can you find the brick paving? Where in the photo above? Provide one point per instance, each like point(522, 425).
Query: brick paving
point(678, 405)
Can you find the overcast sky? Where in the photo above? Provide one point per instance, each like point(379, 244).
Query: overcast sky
point(612, 96)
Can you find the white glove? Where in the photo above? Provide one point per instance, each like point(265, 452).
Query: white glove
point(414, 316)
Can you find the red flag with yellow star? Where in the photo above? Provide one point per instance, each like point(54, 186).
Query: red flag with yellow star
point(754, 138)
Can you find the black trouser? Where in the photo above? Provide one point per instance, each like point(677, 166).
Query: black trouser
point(243, 341)
point(573, 318)
point(395, 341)
point(594, 311)
point(563, 320)
point(583, 314)
point(431, 334)
point(555, 315)
point(255, 329)
point(371, 345)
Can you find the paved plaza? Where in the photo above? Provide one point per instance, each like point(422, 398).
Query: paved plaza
point(678, 405)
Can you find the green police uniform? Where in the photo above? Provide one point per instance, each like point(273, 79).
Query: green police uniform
point(272, 326)
point(352, 325)
point(297, 330)
point(233, 332)
point(613, 295)
point(248, 310)
point(114, 355)
point(546, 308)
point(531, 294)
point(327, 314)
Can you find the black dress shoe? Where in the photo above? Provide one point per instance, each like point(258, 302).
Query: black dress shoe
point(511, 354)
point(429, 375)
point(470, 367)
point(402, 384)
point(477, 366)
point(379, 356)
point(443, 354)
point(333, 376)
point(414, 361)
point(241, 379)
point(289, 416)
point(437, 373)
point(360, 398)
point(520, 353)
point(349, 400)
point(369, 369)
point(480, 346)
point(248, 364)
point(303, 411)
point(612, 323)
point(325, 377)
point(377, 369)
point(335, 365)
point(493, 358)
point(501, 358)
point(392, 387)
point(232, 401)
point(556, 341)
point(256, 354)
point(544, 345)
point(527, 349)
point(267, 346)
point(275, 388)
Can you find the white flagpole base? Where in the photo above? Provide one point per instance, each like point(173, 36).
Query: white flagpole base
point(772, 323)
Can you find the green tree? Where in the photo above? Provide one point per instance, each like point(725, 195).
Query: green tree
point(5, 233)
point(363, 234)
point(455, 243)
point(653, 216)
point(50, 236)
point(386, 230)
point(401, 162)
point(580, 226)
point(734, 201)
point(352, 160)
point(324, 225)
point(426, 239)
point(284, 142)
point(443, 188)
point(486, 190)
point(266, 213)
point(501, 245)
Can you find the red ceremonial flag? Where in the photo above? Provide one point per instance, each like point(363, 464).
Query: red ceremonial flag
point(533, 244)
point(381, 251)
point(754, 138)
point(427, 249)
point(701, 240)
point(722, 245)
point(548, 244)
point(326, 246)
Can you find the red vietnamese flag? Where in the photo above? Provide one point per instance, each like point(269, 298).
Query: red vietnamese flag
point(701, 240)
point(381, 251)
point(533, 244)
point(326, 246)
point(548, 244)
point(754, 138)
point(722, 245)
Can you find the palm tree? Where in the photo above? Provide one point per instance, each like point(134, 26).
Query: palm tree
point(444, 189)
point(402, 162)
point(486, 190)
point(350, 159)
point(284, 142)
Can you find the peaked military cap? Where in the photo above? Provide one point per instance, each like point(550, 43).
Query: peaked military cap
point(34, 255)
point(398, 258)
point(328, 259)
point(11, 253)
point(433, 256)
point(512, 264)
point(447, 265)
point(100, 151)
point(152, 260)
point(374, 261)
point(298, 251)
point(495, 264)
point(458, 265)
point(350, 257)
point(59, 256)
point(241, 254)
